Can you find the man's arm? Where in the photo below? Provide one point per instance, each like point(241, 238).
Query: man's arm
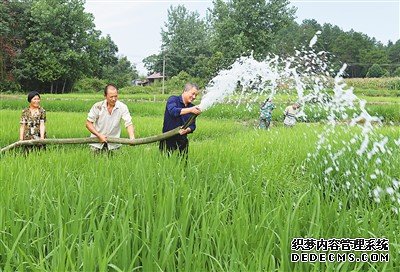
point(131, 132)
point(90, 127)
point(126, 116)
point(174, 110)
point(92, 116)
point(195, 110)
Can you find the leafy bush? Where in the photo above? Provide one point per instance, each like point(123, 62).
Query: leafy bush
point(151, 89)
point(89, 85)
point(376, 71)
point(396, 73)
point(178, 82)
point(172, 86)
point(10, 87)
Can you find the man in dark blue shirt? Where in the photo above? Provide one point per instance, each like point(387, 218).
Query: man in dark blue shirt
point(177, 111)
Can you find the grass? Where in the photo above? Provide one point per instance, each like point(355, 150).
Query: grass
point(90, 96)
point(237, 204)
point(390, 83)
point(389, 111)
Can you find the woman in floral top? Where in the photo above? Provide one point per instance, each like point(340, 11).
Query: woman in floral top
point(266, 113)
point(33, 119)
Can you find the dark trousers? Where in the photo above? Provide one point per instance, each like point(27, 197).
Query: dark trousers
point(264, 123)
point(180, 144)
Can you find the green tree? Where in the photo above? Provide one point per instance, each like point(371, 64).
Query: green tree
point(11, 40)
point(286, 40)
point(393, 52)
point(248, 26)
point(376, 55)
point(6, 47)
point(184, 38)
point(347, 47)
point(61, 46)
point(296, 36)
point(329, 34)
point(121, 73)
point(153, 63)
point(207, 67)
point(102, 52)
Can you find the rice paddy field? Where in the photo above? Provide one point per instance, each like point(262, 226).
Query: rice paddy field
point(237, 204)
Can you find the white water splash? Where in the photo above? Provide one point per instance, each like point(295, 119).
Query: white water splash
point(308, 75)
point(314, 39)
point(246, 72)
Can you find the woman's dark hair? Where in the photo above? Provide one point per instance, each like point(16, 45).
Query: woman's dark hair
point(32, 94)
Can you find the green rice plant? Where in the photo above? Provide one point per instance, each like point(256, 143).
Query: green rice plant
point(392, 83)
point(142, 106)
point(385, 112)
point(380, 99)
point(376, 92)
point(235, 205)
point(89, 96)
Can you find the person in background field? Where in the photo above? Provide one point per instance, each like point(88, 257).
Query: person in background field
point(290, 114)
point(33, 120)
point(266, 113)
point(177, 111)
point(104, 119)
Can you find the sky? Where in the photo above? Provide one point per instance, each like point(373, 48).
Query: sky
point(135, 25)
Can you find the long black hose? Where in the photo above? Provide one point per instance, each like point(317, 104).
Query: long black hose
point(189, 121)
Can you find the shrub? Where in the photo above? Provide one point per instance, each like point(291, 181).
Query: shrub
point(89, 85)
point(376, 71)
point(10, 87)
point(151, 89)
point(178, 82)
point(396, 73)
point(172, 86)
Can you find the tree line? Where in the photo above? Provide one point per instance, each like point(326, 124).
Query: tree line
point(51, 44)
point(203, 46)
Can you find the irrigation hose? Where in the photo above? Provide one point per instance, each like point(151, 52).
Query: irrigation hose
point(91, 140)
point(189, 121)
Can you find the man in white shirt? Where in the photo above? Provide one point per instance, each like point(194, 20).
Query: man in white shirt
point(104, 119)
point(291, 114)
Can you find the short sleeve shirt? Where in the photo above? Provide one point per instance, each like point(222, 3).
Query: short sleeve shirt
point(32, 122)
point(290, 116)
point(109, 124)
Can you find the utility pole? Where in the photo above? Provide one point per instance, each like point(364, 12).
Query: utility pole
point(163, 73)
